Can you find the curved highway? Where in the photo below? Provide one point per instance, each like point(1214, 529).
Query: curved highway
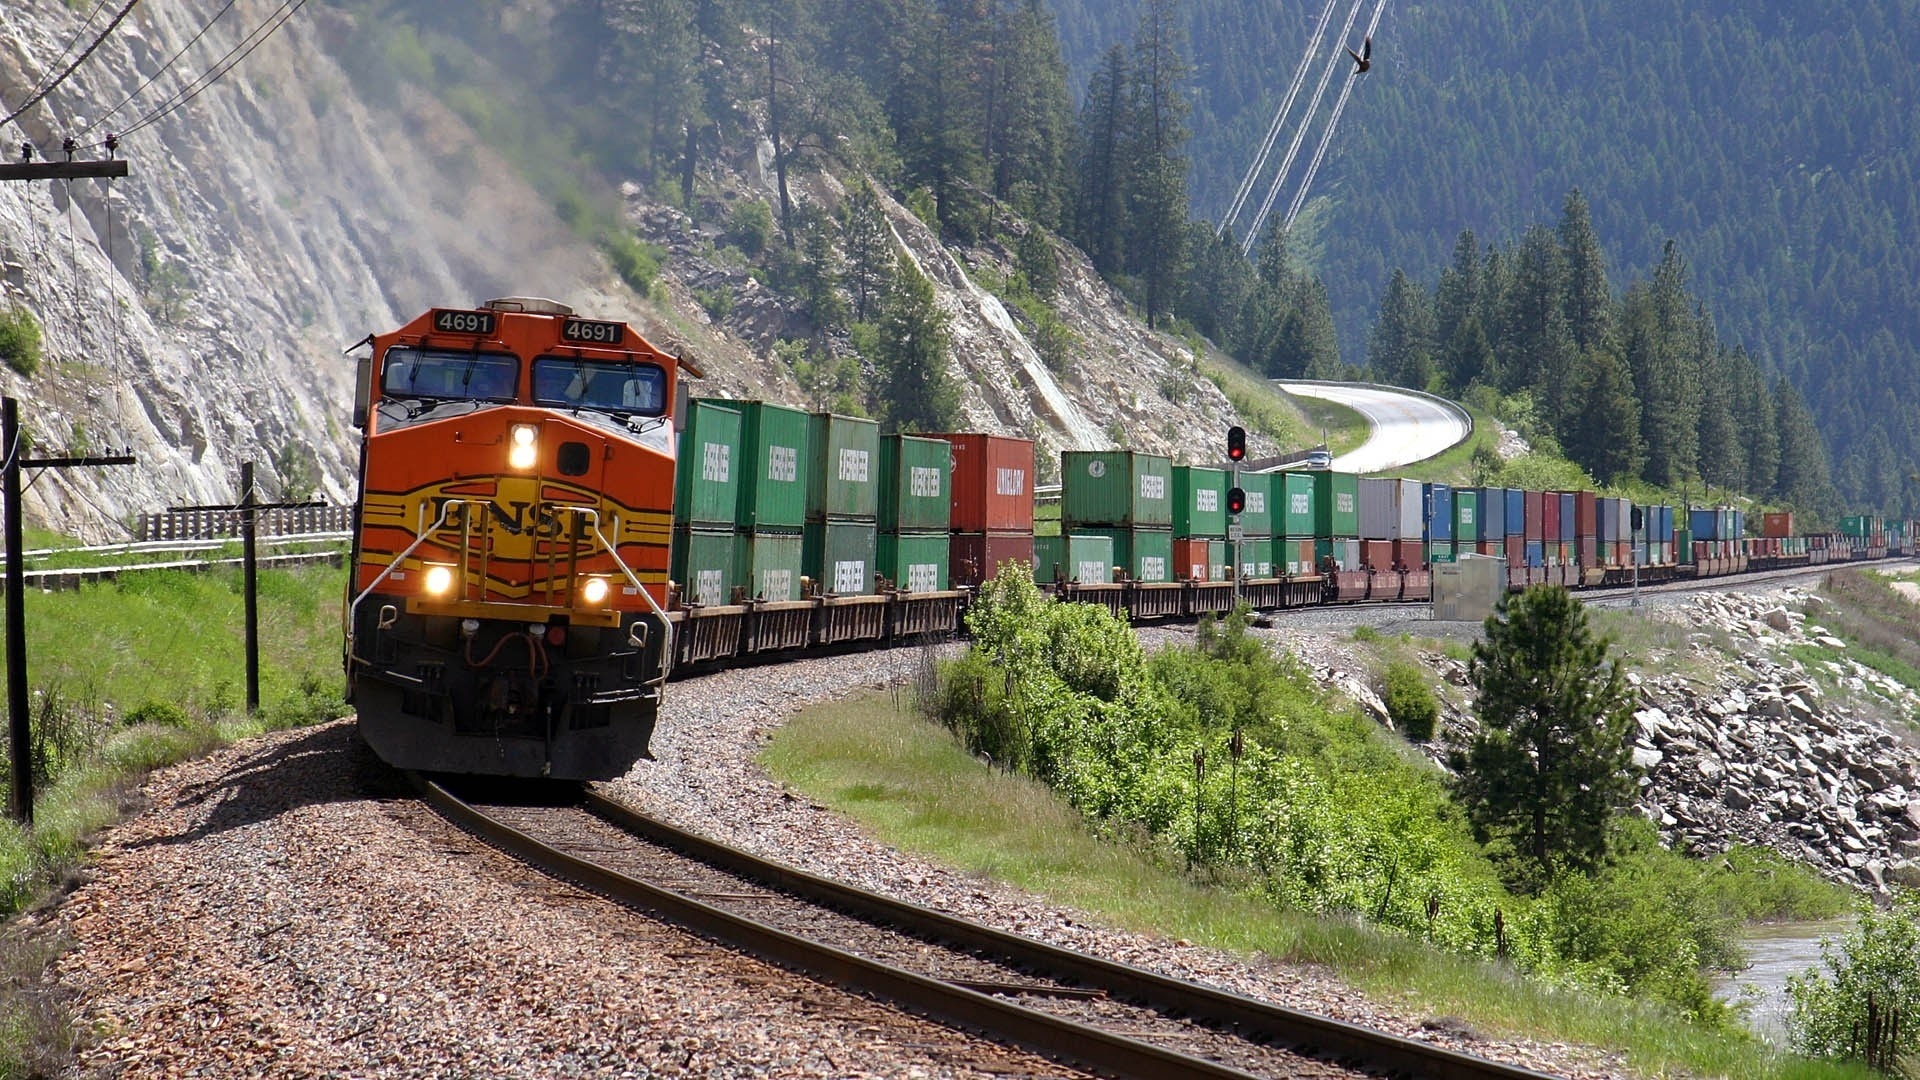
point(1404, 427)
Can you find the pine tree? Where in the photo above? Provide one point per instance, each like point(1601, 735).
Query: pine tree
point(916, 391)
point(1603, 435)
point(1535, 345)
point(868, 245)
point(1804, 481)
point(1589, 298)
point(1552, 763)
point(1400, 345)
point(1723, 461)
point(1156, 163)
point(1100, 216)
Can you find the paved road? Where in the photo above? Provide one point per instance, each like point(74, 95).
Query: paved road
point(1405, 428)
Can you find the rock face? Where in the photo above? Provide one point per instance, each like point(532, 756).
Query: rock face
point(196, 311)
point(1760, 753)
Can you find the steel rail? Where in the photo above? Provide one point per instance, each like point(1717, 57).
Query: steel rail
point(1055, 1037)
point(1318, 1036)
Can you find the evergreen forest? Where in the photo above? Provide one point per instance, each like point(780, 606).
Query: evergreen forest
point(1678, 231)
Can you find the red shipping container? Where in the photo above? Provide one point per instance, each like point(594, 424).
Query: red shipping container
point(1776, 525)
point(1535, 522)
point(977, 556)
point(1376, 554)
point(1586, 514)
point(1409, 554)
point(1550, 518)
point(1495, 548)
point(1516, 552)
point(1190, 560)
point(992, 487)
point(1589, 548)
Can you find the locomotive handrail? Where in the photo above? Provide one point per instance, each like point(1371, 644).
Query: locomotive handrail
point(666, 627)
point(353, 609)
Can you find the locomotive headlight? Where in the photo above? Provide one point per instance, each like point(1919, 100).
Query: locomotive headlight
point(439, 579)
point(523, 448)
point(594, 590)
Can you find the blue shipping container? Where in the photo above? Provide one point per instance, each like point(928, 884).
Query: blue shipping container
point(1439, 525)
point(1704, 524)
point(1536, 553)
point(1493, 513)
point(1516, 512)
point(1569, 527)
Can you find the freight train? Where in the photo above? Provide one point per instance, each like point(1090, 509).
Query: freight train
point(529, 565)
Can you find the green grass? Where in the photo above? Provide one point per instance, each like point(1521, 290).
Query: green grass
point(909, 782)
point(1293, 423)
point(130, 676)
point(1455, 466)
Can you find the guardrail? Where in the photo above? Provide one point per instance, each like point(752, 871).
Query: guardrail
point(218, 524)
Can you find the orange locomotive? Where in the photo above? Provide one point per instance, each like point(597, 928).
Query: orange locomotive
point(504, 615)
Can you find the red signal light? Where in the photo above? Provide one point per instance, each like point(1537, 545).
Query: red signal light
point(1236, 443)
point(1236, 501)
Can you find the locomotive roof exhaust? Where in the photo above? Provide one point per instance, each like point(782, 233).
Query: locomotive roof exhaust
point(531, 305)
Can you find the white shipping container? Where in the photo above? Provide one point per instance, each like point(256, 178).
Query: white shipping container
point(1377, 510)
point(1410, 510)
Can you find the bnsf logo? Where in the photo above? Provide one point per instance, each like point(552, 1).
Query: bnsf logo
point(783, 463)
point(853, 465)
point(1206, 499)
point(1153, 487)
point(924, 483)
point(543, 519)
point(923, 577)
point(1256, 502)
point(1011, 482)
point(715, 462)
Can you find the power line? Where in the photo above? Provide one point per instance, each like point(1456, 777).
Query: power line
point(67, 49)
point(78, 60)
point(1300, 136)
point(225, 64)
point(1279, 121)
point(1306, 182)
point(164, 68)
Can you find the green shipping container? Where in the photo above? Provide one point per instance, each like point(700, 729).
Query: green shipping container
point(1146, 554)
point(769, 565)
point(1116, 488)
point(915, 562)
point(1466, 516)
point(1440, 551)
point(1081, 558)
point(1199, 502)
point(1218, 559)
point(1292, 556)
point(775, 459)
point(1257, 518)
point(1336, 505)
point(706, 564)
point(706, 480)
point(915, 484)
point(845, 479)
point(840, 556)
point(1299, 500)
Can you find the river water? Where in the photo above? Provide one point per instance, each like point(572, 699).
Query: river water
point(1776, 951)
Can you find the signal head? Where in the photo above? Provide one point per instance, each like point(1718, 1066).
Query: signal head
point(1236, 443)
point(1236, 501)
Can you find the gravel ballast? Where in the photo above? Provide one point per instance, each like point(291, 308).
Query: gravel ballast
point(280, 909)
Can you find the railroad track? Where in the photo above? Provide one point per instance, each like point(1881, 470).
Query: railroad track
point(1102, 1016)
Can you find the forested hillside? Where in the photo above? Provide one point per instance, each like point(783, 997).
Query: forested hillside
point(1773, 142)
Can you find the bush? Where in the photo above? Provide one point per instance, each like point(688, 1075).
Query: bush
point(751, 227)
point(157, 713)
point(1409, 700)
point(20, 340)
point(637, 263)
point(1871, 976)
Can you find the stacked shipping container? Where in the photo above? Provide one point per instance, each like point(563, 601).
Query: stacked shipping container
point(1199, 523)
point(992, 504)
point(1126, 496)
point(916, 513)
point(841, 538)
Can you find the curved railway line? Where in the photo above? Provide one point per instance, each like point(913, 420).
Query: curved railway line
point(1106, 1017)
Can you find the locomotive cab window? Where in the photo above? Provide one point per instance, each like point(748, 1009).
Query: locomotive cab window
point(572, 382)
point(449, 375)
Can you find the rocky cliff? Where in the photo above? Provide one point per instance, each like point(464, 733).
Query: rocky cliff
point(197, 311)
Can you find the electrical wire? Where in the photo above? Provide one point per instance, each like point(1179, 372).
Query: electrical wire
point(1279, 120)
point(226, 63)
point(1300, 136)
point(1306, 182)
point(67, 49)
point(163, 69)
point(77, 61)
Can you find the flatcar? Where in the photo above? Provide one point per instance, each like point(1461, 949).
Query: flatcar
point(505, 611)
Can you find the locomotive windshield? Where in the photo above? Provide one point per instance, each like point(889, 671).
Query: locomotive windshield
point(449, 375)
point(573, 382)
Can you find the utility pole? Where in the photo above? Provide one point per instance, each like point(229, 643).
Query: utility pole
point(19, 726)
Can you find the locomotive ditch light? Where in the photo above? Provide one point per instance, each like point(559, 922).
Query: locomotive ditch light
point(439, 579)
point(594, 590)
point(524, 447)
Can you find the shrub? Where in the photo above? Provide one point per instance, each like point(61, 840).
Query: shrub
point(637, 263)
point(1409, 700)
point(1872, 975)
point(751, 227)
point(20, 340)
point(157, 713)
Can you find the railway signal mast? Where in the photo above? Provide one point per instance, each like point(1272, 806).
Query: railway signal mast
point(1236, 502)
